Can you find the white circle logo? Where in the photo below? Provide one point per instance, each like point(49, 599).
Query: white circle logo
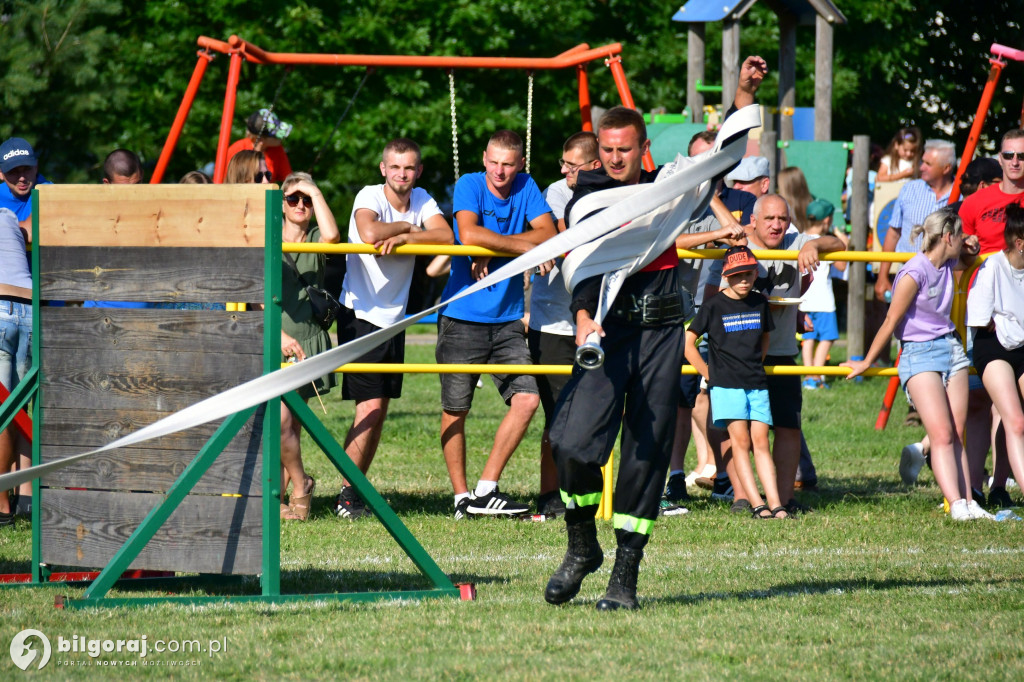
point(23, 654)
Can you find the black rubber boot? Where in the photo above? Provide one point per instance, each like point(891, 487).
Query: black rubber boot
point(583, 557)
point(621, 593)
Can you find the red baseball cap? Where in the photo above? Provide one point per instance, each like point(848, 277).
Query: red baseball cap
point(738, 259)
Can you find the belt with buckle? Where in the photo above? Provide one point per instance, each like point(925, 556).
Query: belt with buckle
point(650, 309)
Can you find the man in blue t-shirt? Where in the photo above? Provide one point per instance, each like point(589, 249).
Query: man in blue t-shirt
point(492, 210)
point(19, 170)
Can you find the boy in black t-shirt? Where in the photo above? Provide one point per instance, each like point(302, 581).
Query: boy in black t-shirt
point(737, 321)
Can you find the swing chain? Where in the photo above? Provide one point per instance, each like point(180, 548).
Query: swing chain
point(529, 117)
point(455, 128)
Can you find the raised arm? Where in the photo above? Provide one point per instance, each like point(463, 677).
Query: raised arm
point(752, 72)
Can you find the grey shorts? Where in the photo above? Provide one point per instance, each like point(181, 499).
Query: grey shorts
point(478, 343)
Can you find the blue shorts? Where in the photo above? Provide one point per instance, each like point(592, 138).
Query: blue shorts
point(728, 404)
point(825, 327)
point(944, 355)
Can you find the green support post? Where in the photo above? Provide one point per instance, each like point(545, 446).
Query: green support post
point(123, 558)
point(334, 451)
point(19, 397)
point(37, 567)
point(271, 578)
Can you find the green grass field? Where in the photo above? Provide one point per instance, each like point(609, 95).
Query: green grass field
point(877, 583)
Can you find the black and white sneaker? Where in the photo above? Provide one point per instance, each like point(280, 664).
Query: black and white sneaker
point(348, 504)
point(461, 507)
point(496, 503)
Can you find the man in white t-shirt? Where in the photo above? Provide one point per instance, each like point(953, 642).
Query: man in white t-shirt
point(376, 291)
point(552, 332)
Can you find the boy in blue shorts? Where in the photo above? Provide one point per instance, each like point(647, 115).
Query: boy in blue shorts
point(818, 304)
point(737, 322)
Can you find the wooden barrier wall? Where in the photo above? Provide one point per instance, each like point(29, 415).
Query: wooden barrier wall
point(105, 372)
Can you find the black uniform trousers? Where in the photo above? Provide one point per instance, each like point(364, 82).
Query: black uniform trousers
point(636, 388)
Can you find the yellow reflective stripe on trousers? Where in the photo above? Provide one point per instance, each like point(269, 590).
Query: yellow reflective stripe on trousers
point(632, 524)
point(574, 501)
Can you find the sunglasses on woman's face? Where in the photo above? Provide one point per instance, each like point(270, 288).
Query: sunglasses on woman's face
point(294, 199)
point(263, 175)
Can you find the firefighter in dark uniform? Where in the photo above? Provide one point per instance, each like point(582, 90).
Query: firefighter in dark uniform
point(637, 387)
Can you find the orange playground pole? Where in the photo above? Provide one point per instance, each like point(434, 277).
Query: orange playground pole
point(622, 85)
point(983, 107)
point(179, 120)
point(241, 50)
point(221, 165)
point(889, 399)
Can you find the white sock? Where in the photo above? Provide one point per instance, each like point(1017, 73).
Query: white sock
point(959, 511)
point(460, 497)
point(485, 487)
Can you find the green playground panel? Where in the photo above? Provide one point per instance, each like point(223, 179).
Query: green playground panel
point(824, 166)
point(673, 139)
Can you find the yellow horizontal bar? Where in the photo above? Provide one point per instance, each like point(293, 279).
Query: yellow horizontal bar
point(456, 250)
point(434, 368)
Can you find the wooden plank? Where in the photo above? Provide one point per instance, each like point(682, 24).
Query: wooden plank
point(137, 273)
point(87, 427)
point(149, 470)
point(133, 380)
point(152, 465)
point(152, 215)
point(202, 331)
point(205, 534)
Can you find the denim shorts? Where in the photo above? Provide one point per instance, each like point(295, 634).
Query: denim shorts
point(728, 404)
point(479, 343)
point(944, 355)
point(15, 342)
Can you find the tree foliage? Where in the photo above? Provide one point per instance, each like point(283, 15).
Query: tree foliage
point(79, 78)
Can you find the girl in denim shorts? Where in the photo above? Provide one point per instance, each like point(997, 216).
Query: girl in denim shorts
point(933, 366)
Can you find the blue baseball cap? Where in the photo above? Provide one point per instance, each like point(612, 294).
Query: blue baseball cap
point(16, 152)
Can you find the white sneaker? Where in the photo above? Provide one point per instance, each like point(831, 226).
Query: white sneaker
point(977, 512)
point(959, 511)
point(911, 461)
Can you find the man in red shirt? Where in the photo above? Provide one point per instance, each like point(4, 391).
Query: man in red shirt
point(984, 212)
point(263, 133)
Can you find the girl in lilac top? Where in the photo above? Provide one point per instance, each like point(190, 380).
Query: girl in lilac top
point(932, 365)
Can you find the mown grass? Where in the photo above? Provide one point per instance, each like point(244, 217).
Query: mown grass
point(876, 583)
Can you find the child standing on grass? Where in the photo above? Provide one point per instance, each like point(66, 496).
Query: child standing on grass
point(737, 321)
point(933, 365)
point(818, 306)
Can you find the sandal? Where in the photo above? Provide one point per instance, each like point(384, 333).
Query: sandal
point(299, 504)
point(780, 510)
point(758, 512)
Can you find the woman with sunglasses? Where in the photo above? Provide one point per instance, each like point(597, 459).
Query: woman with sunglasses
point(301, 334)
point(933, 366)
point(247, 166)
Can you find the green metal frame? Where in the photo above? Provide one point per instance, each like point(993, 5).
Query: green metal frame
point(270, 579)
